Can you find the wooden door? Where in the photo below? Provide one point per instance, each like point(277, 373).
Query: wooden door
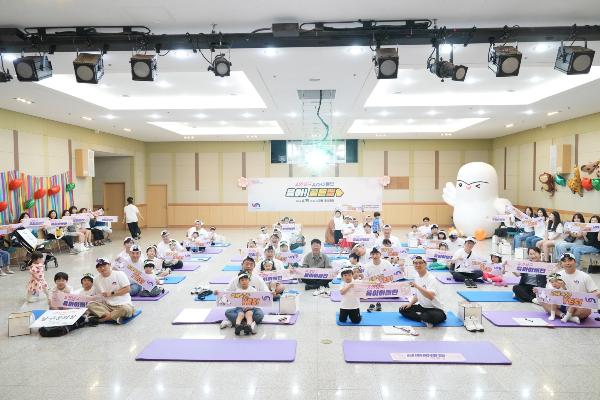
point(156, 200)
point(114, 201)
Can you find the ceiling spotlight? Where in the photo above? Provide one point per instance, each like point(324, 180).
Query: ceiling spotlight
point(446, 69)
point(220, 66)
point(509, 125)
point(574, 60)
point(89, 68)
point(504, 60)
point(386, 63)
point(143, 67)
point(33, 68)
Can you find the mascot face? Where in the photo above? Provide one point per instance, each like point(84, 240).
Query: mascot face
point(476, 181)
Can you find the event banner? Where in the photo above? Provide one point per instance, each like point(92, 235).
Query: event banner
point(474, 263)
point(135, 275)
point(34, 222)
point(275, 276)
point(380, 290)
point(439, 254)
point(530, 267)
point(290, 258)
point(493, 268)
point(567, 298)
point(289, 227)
point(356, 238)
point(313, 273)
point(58, 223)
point(315, 194)
point(530, 223)
point(244, 299)
point(393, 251)
point(71, 300)
point(576, 227)
point(388, 275)
point(58, 318)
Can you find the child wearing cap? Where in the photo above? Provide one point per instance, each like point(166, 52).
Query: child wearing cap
point(437, 265)
point(243, 318)
point(156, 290)
point(488, 274)
point(171, 258)
point(350, 305)
point(555, 281)
point(275, 287)
point(454, 242)
point(126, 252)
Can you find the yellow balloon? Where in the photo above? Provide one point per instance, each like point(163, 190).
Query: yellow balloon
point(480, 234)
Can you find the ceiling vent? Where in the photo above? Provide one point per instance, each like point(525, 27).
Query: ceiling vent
point(328, 94)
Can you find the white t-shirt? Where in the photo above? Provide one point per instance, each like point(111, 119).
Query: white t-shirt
point(338, 223)
point(395, 241)
point(578, 282)
point(425, 230)
point(115, 281)
point(163, 248)
point(430, 283)
point(372, 270)
point(359, 230)
point(255, 281)
point(131, 212)
point(557, 232)
point(453, 246)
point(349, 302)
point(83, 292)
point(277, 265)
point(203, 233)
point(347, 229)
point(459, 258)
point(540, 230)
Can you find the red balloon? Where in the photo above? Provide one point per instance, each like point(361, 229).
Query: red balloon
point(586, 183)
point(3, 206)
point(38, 194)
point(15, 184)
point(54, 190)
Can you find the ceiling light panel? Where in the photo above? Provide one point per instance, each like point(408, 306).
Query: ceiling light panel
point(188, 91)
point(518, 90)
point(215, 128)
point(429, 125)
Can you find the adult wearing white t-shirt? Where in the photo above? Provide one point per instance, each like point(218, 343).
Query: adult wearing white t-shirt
point(425, 305)
point(255, 280)
point(198, 227)
point(454, 242)
point(132, 215)
point(387, 234)
point(576, 281)
point(270, 255)
point(114, 287)
point(375, 269)
point(164, 246)
point(459, 265)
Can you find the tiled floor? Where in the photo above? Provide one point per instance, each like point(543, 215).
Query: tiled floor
point(98, 363)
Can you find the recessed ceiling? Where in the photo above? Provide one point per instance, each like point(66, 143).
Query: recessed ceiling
point(260, 101)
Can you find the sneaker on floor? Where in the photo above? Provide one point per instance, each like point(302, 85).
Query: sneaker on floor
point(2, 273)
point(378, 307)
point(371, 308)
point(470, 324)
point(9, 271)
point(428, 325)
point(238, 329)
point(225, 324)
point(73, 252)
point(319, 291)
point(478, 325)
point(254, 327)
point(120, 321)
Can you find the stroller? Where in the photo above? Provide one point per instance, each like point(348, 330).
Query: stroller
point(30, 243)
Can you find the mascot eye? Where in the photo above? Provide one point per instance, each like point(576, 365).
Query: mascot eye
point(478, 186)
point(460, 184)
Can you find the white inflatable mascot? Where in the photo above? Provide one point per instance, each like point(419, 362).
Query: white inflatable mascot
point(475, 199)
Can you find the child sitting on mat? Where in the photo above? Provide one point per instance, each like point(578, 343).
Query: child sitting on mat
point(61, 280)
point(488, 274)
point(275, 287)
point(87, 285)
point(350, 305)
point(156, 290)
point(172, 259)
point(555, 281)
point(158, 263)
point(437, 265)
point(243, 318)
point(126, 253)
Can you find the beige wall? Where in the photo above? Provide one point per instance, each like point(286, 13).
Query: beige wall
point(43, 147)
point(520, 171)
point(112, 169)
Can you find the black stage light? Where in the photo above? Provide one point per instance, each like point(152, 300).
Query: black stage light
point(143, 67)
point(32, 68)
point(220, 66)
point(386, 63)
point(446, 69)
point(89, 68)
point(504, 60)
point(574, 60)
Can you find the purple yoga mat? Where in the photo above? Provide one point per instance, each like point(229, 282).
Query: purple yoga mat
point(217, 315)
point(446, 278)
point(218, 350)
point(224, 279)
point(188, 266)
point(139, 298)
point(505, 318)
point(359, 351)
point(337, 297)
point(212, 250)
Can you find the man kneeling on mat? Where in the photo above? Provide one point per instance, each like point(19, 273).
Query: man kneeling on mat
point(425, 305)
point(243, 318)
point(350, 306)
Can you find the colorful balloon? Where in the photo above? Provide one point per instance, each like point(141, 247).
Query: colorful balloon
point(596, 183)
point(559, 180)
point(38, 194)
point(29, 204)
point(586, 183)
point(70, 187)
point(480, 234)
point(15, 184)
point(54, 190)
point(3, 206)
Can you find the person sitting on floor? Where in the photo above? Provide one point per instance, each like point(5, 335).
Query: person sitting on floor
point(387, 234)
point(454, 242)
point(270, 256)
point(459, 266)
point(425, 304)
point(114, 287)
point(125, 254)
point(489, 276)
point(523, 291)
point(156, 290)
point(136, 261)
point(433, 232)
point(171, 258)
point(275, 287)
point(350, 305)
point(61, 284)
point(199, 228)
point(158, 263)
point(375, 269)
point(243, 318)
point(316, 259)
point(576, 281)
point(437, 265)
point(555, 281)
point(87, 285)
